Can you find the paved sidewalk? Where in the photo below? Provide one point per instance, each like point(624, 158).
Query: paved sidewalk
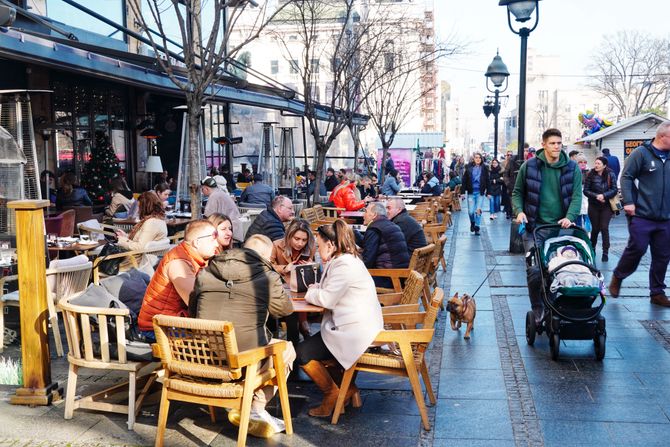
point(496, 390)
point(493, 390)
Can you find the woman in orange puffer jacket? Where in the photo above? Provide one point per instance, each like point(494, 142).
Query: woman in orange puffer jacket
point(343, 195)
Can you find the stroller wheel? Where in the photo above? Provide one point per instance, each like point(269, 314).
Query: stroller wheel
point(554, 345)
point(599, 346)
point(531, 328)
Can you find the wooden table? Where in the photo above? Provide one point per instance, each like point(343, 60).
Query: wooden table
point(353, 216)
point(78, 248)
point(299, 302)
point(174, 224)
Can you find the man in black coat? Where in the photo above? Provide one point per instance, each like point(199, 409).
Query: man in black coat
point(414, 235)
point(271, 221)
point(384, 245)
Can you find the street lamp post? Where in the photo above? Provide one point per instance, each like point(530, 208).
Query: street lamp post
point(522, 10)
point(497, 74)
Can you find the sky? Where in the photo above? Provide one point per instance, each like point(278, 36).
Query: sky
point(571, 29)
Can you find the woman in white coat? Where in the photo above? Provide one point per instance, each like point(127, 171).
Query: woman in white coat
point(352, 319)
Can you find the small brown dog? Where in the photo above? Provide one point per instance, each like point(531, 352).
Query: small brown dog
point(463, 310)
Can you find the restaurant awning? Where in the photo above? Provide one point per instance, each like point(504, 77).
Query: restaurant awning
point(108, 64)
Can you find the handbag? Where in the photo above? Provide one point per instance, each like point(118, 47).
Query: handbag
point(110, 267)
point(615, 204)
point(303, 275)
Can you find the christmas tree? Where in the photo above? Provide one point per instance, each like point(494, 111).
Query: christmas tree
point(100, 168)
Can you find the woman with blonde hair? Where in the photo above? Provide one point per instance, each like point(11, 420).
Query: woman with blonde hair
point(297, 247)
point(151, 227)
point(224, 230)
point(351, 320)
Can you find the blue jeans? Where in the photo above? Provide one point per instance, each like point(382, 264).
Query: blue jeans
point(475, 202)
point(494, 204)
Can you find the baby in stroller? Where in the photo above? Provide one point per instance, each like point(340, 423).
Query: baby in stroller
point(570, 275)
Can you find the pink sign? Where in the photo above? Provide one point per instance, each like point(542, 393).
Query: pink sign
point(402, 161)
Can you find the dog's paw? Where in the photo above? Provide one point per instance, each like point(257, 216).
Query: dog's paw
point(466, 337)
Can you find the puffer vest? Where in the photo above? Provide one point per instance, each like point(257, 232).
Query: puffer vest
point(161, 298)
point(392, 253)
point(531, 203)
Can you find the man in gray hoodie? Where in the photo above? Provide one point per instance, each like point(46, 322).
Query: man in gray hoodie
point(647, 207)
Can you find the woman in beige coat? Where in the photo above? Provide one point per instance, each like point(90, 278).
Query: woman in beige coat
point(151, 227)
point(351, 321)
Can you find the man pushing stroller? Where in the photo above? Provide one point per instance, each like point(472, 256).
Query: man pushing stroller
point(548, 190)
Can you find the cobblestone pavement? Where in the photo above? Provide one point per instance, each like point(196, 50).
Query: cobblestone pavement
point(493, 390)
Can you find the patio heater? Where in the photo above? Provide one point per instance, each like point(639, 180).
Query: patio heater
point(16, 119)
point(154, 164)
point(286, 170)
point(266, 157)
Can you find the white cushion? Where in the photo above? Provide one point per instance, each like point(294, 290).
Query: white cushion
point(63, 263)
point(12, 296)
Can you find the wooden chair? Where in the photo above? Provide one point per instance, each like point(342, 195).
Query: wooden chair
point(95, 233)
point(438, 257)
point(409, 362)
point(62, 283)
point(82, 213)
point(327, 213)
point(203, 366)
point(433, 234)
point(410, 293)
point(456, 203)
point(177, 237)
point(85, 353)
point(420, 262)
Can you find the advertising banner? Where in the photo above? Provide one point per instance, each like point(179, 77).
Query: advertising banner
point(402, 160)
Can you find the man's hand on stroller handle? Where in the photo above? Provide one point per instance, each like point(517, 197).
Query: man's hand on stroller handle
point(565, 223)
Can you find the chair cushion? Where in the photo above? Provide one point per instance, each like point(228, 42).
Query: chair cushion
point(10, 297)
point(129, 287)
point(97, 296)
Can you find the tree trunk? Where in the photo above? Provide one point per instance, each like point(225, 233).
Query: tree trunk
point(321, 151)
point(382, 170)
point(194, 171)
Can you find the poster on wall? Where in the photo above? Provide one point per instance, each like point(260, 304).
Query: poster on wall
point(629, 145)
point(402, 160)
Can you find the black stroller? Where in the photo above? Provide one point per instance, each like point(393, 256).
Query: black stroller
point(570, 288)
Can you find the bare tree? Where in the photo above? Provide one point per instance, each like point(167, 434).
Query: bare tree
point(335, 41)
point(204, 52)
point(631, 70)
point(396, 82)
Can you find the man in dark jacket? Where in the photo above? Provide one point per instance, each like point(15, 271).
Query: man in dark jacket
point(384, 245)
point(271, 221)
point(241, 286)
point(414, 235)
point(612, 162)
point(258, 192)
point(647, 206)
point(331, 181)
point(312, 185)
point(548, 190)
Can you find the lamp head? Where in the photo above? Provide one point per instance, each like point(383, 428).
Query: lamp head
point(522, 10)
point(7, 15)
point(150, 133)
point(488, 108)
point(497, 71)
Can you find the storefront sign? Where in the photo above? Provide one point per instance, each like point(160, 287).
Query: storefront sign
point(402, 161)
point(629, 145)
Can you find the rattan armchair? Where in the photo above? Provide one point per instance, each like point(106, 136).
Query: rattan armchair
point(408, 360)
point(203, 366)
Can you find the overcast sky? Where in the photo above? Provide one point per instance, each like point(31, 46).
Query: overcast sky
point(571, 29)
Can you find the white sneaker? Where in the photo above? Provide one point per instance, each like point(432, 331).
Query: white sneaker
point(276, 423)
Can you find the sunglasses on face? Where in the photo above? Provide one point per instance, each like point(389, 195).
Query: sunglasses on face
point(214, 235)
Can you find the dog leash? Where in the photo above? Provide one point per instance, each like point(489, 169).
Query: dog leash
point(485, 279)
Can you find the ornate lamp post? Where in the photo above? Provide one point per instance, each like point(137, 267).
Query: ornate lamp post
point(522, 10)
point(497, 74)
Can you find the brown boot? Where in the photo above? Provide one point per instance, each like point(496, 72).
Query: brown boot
point(304, 328)
point(319, 374)
point(660, 300)
point(615, 286)
point(353, 395)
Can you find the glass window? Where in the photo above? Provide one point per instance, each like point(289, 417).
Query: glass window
point(83, 111)
point(274, 67)
point(294, 66)
point(112, 9)
point(314, 65)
